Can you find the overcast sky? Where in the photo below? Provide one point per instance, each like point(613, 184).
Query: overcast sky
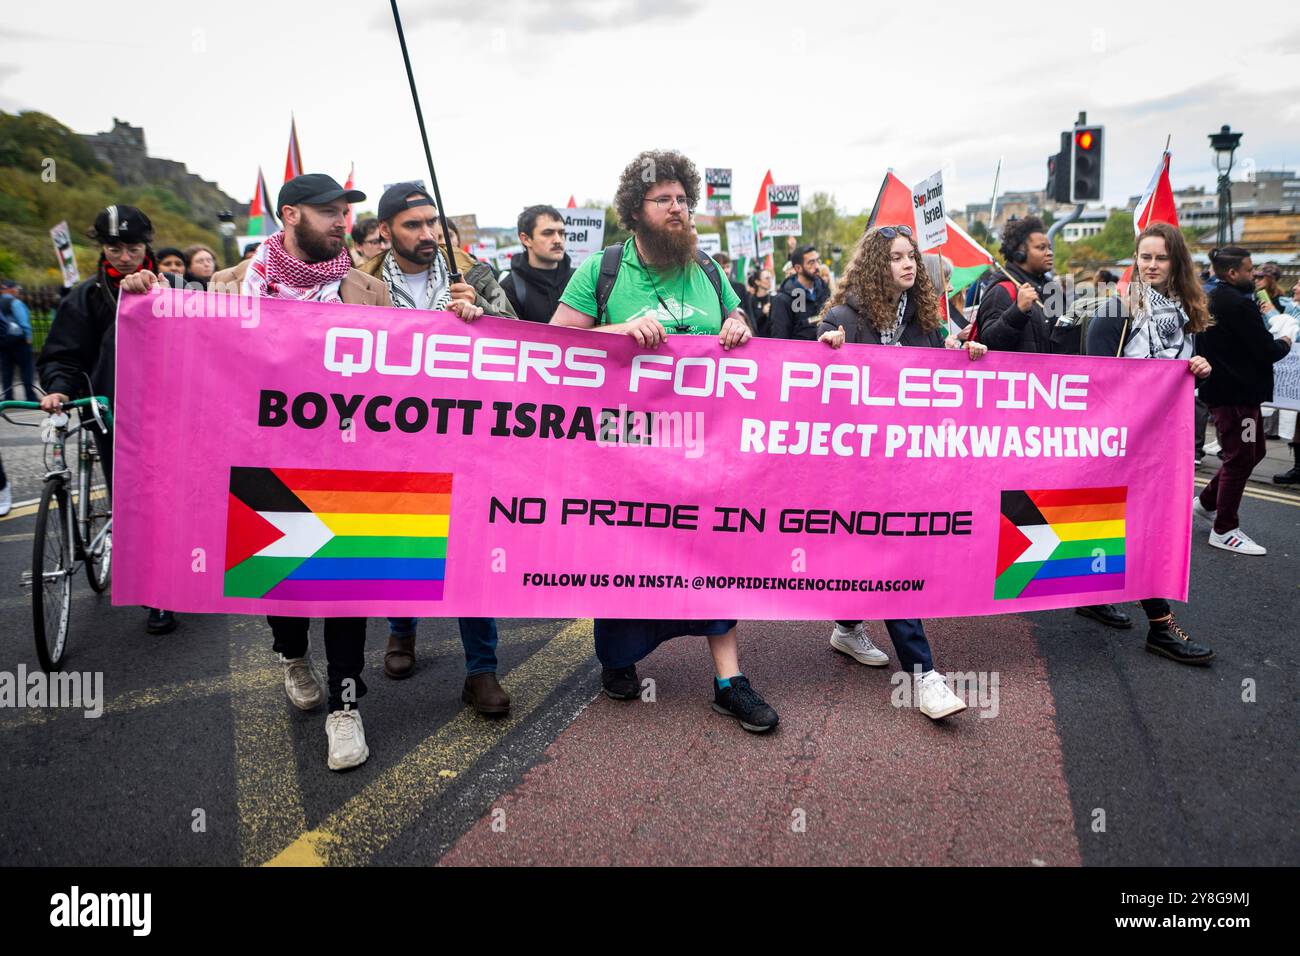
point(533, 100)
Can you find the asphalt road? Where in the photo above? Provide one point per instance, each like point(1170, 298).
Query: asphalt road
point(1091, 752)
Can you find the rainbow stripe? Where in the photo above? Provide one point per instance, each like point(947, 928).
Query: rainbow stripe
point(1061, 541)
point(310, 534)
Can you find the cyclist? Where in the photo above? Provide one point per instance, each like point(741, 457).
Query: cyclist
point(78, 358)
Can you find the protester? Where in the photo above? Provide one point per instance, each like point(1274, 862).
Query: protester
point(539, 274)
point(1159, 318)
point(415, 272)
point(1292, 475)
point(801, 298)
point(1241, 350)
point(367, 240)
point(250, 250)
point(15, 343)
point(886, 298)
point(1268, 288)
point(79, 356)
point(724, 263)
point(654, 284)
point(1017, 314)
point(939, 269)
point(171, 260)
point(200, 266)
point(308, 261)
point(760, 301)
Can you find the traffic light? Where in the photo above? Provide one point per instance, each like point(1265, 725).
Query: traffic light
point(1058, 167)
point(1086, 153)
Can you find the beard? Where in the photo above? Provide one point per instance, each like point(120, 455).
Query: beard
point(421, 253)
point(667, 247)
point(317, 246)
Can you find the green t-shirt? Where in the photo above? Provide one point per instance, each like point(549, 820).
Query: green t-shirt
point(689, 306)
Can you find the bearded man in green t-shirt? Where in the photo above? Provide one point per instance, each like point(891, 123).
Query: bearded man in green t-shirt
point(661, 289)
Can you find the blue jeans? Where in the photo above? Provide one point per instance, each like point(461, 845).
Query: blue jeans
point(621, 643)
point(909, 643)
point(478, 635)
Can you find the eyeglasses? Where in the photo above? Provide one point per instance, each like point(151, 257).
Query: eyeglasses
point(666, 202)
point(893, 232)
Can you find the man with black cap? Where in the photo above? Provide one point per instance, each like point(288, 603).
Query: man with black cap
point(415, 264)
point(78, 359)
point(415, 271)
point(308, 260)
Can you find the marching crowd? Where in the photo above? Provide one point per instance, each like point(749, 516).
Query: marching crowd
point(659, 283)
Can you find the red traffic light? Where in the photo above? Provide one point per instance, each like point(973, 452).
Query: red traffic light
point(1084, 139)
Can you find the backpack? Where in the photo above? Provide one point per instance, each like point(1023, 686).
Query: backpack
point(9, 328)
point(1069, 336)
point(612, 258)
point(975, 318)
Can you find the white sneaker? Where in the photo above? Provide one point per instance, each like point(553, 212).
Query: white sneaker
point(858, 646)
point(936, 699)
point(347, 739)
point(6, 499)
point(301, 683)
point(1198, 509)
point(1236, 541)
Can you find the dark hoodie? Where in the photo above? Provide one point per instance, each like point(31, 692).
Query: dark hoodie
point(1004, 328)
point(535, 293)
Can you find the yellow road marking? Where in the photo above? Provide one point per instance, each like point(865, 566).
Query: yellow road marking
point(1262, 494)
point(17, 537)
point(21, 512)
point(355, 832)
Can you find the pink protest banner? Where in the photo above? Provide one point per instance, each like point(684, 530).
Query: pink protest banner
point(313, 459)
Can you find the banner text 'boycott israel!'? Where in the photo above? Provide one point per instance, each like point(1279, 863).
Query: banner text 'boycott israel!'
point(300, 458)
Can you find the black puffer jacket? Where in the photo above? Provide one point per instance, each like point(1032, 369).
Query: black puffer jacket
point(1004, 328)
point(848, 316)
point(795, 309)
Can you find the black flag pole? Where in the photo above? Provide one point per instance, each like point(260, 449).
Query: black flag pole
point(454, 276)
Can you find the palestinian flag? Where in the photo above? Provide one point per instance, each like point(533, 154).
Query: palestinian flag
point(1069, 541)
point(293, 158)
point(308, 534)
point(352, 171)
point(894, 208)
point(261, 221)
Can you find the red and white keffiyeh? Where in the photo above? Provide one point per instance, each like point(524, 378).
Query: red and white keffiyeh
point(274, 272)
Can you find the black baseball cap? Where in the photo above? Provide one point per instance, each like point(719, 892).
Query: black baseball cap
point(394, 199)
point(120, 223)
point(314, 189)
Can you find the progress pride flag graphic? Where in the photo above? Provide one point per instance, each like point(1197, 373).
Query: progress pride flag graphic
point(279, 457)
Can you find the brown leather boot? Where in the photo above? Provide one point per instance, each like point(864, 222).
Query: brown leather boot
point(399, 659)
point(485, 695)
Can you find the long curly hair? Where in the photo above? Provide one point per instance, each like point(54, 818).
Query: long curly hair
point(1184, 284)
point(651, 167)
point(869, 280)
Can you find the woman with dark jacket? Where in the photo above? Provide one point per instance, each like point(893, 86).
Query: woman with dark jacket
point(1158, 318)
point(887, 298)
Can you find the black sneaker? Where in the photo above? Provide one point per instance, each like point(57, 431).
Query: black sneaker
point(743, 702)
point(1106, 614)
point(1291, 477)
point(1169, 640)
point(621, 683)
point(160, 622)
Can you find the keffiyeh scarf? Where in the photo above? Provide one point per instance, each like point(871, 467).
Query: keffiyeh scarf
point(437, 291)
point(894, 336)
point(1158, 329)
point(274, 272)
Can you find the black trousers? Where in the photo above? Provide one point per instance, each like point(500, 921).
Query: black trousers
point(345, 651)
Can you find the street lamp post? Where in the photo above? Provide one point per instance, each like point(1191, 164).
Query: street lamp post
point(1224, 143)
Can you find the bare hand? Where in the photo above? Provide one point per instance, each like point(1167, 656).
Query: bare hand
point(648, 331)
point(139, 282)
point(1026, 296)
point(463, 292)
point(976, 350)
point(466, 310)
point(51, 402)
point(734, 332)
point(834, 338)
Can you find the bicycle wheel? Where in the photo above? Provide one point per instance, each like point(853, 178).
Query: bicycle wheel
point(52, 570)
point(97, 540)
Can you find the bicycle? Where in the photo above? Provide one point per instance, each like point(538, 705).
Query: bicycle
point(74, 526)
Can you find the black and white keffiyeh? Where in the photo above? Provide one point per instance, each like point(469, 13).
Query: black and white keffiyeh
point(437, 292)
point(1158, 329)
point(894, 335)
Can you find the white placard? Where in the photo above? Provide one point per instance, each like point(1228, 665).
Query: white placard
point(783, 209)
point(717, 192)
point(927, 205)
point(1286, 380)
point(710, 243)
point(63, 251)
point(584, 233)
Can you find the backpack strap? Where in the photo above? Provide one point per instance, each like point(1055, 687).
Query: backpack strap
point(521, 291)
point(610, 260)
point(715, 278)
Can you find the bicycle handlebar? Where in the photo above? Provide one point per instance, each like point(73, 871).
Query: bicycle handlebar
point(99, 401)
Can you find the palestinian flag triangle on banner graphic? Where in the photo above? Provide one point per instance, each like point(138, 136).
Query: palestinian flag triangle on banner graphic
point(310, 534)
point(894, 208)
